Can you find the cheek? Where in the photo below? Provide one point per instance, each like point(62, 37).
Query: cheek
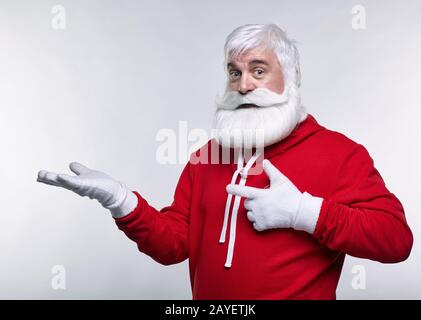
point(232, 86)
point(275, 83)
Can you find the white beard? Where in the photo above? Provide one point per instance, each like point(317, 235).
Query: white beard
point(273, 117)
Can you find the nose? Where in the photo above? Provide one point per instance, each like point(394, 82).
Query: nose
point(245, 85)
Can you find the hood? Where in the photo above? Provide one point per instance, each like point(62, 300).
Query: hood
point(302, 131)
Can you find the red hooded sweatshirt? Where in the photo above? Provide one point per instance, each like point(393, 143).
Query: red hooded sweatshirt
point(359, 216)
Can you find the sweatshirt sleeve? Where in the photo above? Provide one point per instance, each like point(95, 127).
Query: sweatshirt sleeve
point(361, 217)
point(162, 235)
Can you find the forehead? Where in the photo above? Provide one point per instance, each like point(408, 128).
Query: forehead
point(253, 55)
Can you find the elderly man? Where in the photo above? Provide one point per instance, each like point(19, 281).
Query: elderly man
point(317, 198)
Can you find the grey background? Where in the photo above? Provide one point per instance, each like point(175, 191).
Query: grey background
point(99, 91)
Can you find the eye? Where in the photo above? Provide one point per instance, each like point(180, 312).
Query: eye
point(259, 72)
point(234, 74)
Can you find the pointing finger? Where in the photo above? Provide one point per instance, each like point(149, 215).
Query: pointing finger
point(244, 191)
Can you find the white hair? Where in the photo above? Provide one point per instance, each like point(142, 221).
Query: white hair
point(269, 36)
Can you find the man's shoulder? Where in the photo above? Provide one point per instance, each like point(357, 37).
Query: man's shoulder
point(336, 149)
point(206, 153)
point(334, 139)
point(336, 144)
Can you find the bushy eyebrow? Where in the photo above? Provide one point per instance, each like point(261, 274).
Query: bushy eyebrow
point(231, 65)
point(252, 62)
point(258, 61)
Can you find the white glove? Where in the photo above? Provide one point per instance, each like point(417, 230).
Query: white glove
point(112, 194)
point(282, 205)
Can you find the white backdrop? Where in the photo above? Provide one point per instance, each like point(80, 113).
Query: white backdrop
point(99, 90)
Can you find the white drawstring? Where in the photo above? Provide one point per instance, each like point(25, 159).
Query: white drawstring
point(229, 198)
point(233, 225)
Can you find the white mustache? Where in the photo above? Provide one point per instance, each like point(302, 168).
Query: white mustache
point(261, 97)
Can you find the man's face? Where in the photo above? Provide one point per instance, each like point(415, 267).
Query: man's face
point(256, 109)
point(255, 68)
